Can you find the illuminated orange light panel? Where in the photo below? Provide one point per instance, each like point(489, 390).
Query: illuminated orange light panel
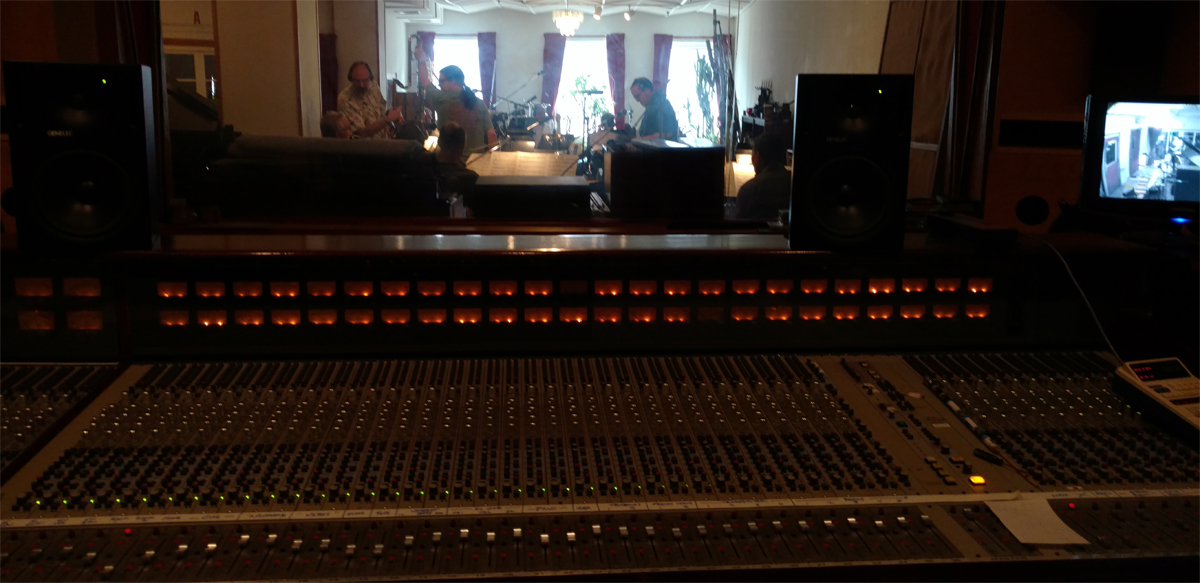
point(468, 315)
point(322, 317)
point(978, 310)
point(322, 288)
point(85, 320)
point(779, 313)
point(677, 287)
point(643, 287)
point(502, 288)
point(712, 287)
point(394, 288)
point(248, 317)
point(845, 312)
point(394, 316)
point(173, 317)
point(358, 289)
point(502, 315)
point(539, 288)
point(285, 317)
point(946, 284)
point(577, 315)
point(608, 287)
point(211, 318)
point(879, 312)
point(538, 315)
point(468, 288)
point(881, 286)
point(247, 289)
point(847, 287)
point(743, 314)
point(285, 289)
point(945, 311)
point(641, 314)
point(914, 285)
point(610, 315)
point(779, 286)
point(676, 314)
point(431, 316)
point(172, 289)
point(37, 320)
point(34, 287)
point(912, 312)
point(811, 312)
point(360, 317)
point(813, 286)
point(210, 289)
point(431, 288)
point(977, 285)
point(81, 287)
point(745, 286)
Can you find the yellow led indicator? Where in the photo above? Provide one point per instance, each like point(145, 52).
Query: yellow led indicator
point(977, 480)
point(104, 81)
point(881, 92)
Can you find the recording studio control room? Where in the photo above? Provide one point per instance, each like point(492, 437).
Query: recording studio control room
point(594, 290)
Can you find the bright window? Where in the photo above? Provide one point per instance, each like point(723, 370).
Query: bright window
point(462, 51)
point(585, 67)
point(684, 93)
point(193, 68)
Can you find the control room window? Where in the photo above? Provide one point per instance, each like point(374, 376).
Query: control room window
point(585, 67)
point(461, 51)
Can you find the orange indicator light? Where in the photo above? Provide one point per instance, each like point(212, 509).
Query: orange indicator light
point(977, 285)
point(172, 289)
point(248, 317)
point(608, 287)
point(747, 287)
point(285, 289)
point(394, 288)
point(978, 310)
point(468, 288)
point(946, 284)
point(879, 312)
point(779, 313)
point(847, 287)
point(676, 314)
point(538, 315)
point(358, 289)
point(845, 312)
point(881, 286)
point(468, 315)
point(914, 285)
point(360, 316)
point(677, 287)
point(285, 317)
point(502, 288)
point(81, 287)
point(394, 316)
point(644, 287)
point(743, 314)
point(431, 289)
point(502, 315)
point(945, 311)
point(811, 312)
point(85, 320)
point(210, 289)
point(211, 318)
point(712, 287)
point(641, 314)
point(40, 287)
point(575, 315)
point(610, 315)
point(539, 287)
point(779, 286)
point(912, 312)
point(247, 289)
point(173, 318)
point(431, 316)
point(813, 286)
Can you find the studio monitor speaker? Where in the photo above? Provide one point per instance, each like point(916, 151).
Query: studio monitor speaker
point(83, 160)
point(850, 172)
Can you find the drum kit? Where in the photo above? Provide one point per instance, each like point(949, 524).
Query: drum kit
point(529, 127)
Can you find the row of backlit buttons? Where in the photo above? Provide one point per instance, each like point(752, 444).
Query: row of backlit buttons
point(291, 289)
point(570, 315)
point(43, 287)
point(44, 320)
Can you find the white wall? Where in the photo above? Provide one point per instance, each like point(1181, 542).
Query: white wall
point(355, 22)
point(179, 19)
point(519, 42)
point(257, 43)
point(779, 39)
point(396, 49)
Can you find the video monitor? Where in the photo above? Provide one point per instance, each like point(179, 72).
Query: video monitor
point(1143, 156)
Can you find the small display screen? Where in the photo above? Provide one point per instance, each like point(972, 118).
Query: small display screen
point(1151, 151)
point(1157, 371)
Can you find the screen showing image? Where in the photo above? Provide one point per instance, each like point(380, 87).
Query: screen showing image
point(1151, 152)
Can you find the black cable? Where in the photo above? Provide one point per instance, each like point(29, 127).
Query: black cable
point(1078, 288)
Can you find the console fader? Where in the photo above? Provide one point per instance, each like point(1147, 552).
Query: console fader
point(467, 467)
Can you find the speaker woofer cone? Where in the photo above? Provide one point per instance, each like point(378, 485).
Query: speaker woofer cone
point(82, 195)
point(849, 197)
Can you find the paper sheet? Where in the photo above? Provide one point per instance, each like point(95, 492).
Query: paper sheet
point(1033, 522)
point(522, 164)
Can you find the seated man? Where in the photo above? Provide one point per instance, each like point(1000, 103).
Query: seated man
point(335, 125)
point(362, 103)
point(763, 196)
point(454, 178)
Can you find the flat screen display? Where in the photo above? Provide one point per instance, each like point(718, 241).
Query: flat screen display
point(1151, 152)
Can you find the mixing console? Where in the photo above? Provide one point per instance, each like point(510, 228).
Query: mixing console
point(38, 397)
point(436, 468)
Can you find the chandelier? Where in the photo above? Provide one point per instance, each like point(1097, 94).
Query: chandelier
point(568, 21)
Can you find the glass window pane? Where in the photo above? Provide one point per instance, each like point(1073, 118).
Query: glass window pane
point(181, 67)
point(695, 103)
point(210, 75)
point(462, 52)
point(585, 67)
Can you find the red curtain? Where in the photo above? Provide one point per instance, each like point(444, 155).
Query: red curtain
point(616, 74)
point(487, 67)
point(426, 39)
point(662, 60)
point(720, 59)
point(552, 60)
point(327, 47)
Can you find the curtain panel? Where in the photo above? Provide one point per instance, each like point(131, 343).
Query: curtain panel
point(552, 61)
point(616, 74)
point(662, 60)
point(487, 67)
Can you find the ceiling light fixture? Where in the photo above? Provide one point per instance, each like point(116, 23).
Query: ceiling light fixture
point(567, 21)
point(628, 16)
point(599, 12)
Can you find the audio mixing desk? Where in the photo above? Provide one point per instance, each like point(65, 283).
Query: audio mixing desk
point(417, 469)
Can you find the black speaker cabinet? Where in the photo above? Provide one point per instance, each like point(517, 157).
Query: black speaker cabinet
point(850, 172)
point(83, 160)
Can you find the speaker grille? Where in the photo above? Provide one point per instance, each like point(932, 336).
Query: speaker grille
point(850, 197)
point(82, 195)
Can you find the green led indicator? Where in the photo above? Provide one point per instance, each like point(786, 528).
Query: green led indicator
point(170, 499)
point(39, 502)
point(881, 92)
point(568, 489)
point(222, 497)
point(322, 495)
point(297, 495)
point(397, 493)
point(272, 495)
point(91, 501)
point(104, 81)
point(64, 501)
point(422, 492)
point(372, 493)
point(143, 499)
point(543, 489)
